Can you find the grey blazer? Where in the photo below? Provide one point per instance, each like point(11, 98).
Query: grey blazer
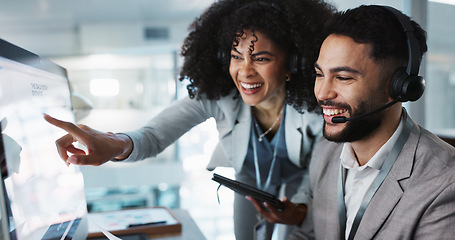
point(233, 121)
point(415, 201)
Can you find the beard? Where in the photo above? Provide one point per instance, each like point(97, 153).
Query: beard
point(357, 129)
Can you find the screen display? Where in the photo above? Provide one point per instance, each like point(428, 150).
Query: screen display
point(43, 197)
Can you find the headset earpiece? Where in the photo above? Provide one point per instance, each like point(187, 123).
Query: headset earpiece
point(406, 84)
point(405, 87)
point(296, 64)
point(413, 88)
point(221, 56)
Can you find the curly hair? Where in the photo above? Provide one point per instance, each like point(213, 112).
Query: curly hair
point(294, 25)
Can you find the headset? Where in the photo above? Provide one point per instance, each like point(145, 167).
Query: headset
point(406, 84)
point(296, 63)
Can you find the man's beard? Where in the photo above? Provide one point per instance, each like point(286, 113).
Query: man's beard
point(358, 128)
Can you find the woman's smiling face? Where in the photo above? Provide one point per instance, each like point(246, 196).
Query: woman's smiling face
point(258, 69)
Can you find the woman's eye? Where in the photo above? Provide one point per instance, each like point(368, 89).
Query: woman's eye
point(261, 59)
point(319, 74)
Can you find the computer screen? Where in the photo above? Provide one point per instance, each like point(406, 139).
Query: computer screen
point(41, 197)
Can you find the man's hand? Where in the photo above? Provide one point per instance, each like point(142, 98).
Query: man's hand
point(101, 147)
point(292, 214)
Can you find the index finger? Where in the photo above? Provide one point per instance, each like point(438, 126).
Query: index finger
point(67, 126)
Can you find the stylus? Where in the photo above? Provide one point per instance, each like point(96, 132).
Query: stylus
point(145, 224)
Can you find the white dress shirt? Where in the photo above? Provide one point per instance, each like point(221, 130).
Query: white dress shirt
point(360, 178)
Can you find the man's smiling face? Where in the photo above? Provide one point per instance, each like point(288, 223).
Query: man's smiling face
point(349, 83)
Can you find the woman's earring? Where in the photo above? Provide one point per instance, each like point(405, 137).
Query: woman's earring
point(288, 78)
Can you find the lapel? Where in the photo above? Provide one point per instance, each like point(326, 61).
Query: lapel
point(233, 121)
point(241, 129)
point(240, 137)
point(293, 134)
point(301, 133)
point(391, 190)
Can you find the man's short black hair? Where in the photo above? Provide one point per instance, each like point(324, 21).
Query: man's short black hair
point(376, 25)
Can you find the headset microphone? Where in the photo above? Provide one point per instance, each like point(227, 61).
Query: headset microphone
point(343, 119)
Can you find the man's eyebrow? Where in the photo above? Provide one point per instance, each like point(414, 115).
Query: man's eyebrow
point(340, 69)
point(262, 53)
point(345, 69)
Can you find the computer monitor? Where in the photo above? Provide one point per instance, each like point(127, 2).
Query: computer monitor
point(40, 196)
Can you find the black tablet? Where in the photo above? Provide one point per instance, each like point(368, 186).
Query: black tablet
point(248, 190)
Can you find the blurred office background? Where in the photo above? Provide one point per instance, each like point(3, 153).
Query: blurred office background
point(123, 60)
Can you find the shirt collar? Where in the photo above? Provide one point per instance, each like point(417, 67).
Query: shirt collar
point(349, 160)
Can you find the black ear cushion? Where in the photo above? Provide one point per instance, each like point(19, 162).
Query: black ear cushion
point(221, 56)
point(405, 87)
point(293, 61)
point(296, 64)
point(396, 84)
point(413, 88)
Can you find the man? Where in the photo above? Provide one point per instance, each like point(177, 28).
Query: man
point(377, 174)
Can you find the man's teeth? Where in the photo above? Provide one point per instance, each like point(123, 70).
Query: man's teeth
point(330, 112)
point(250, 86)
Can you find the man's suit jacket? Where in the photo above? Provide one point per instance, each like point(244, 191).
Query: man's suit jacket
point(415, 201)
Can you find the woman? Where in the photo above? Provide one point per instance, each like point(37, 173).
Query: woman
point(250, 66)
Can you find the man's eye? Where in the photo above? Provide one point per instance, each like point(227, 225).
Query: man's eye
point(344, 78)
point(319, 74)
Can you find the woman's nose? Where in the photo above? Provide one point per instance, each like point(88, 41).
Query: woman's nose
point(247, 68)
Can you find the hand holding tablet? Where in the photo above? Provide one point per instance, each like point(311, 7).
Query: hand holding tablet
point(248, 190)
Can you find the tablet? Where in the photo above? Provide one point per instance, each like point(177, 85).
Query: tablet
point(248, 190)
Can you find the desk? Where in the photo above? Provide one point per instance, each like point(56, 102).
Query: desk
point(190, 230)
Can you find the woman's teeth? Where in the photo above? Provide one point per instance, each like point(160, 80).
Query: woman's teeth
point(251, 86)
